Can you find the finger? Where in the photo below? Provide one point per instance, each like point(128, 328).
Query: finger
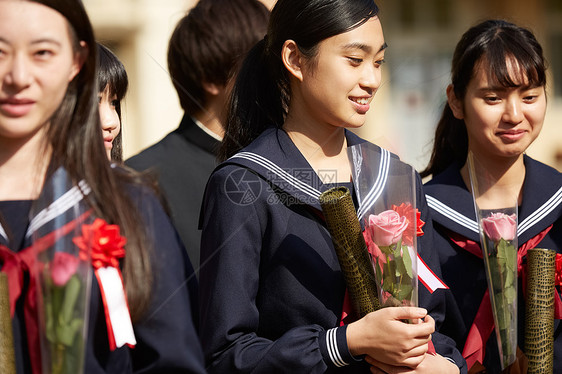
point(414, 361)
point(422, 329)
point(417, 352)
point(407, 312)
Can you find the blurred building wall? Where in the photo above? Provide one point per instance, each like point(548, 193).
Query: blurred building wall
point(421, 35)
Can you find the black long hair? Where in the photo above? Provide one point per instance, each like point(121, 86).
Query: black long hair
point(113, 77)
point(83, 155)
point(261, 94)
point(492, 45)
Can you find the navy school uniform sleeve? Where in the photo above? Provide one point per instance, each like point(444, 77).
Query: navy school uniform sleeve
point(435, 302)
point(167, 340)
point(232, 330)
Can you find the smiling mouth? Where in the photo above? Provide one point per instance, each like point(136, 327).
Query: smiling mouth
point(361, 100)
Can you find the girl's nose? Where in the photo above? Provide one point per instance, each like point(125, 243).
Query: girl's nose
point(108, 116)
point(513, 112)
point(371, 77)
point(19, 74)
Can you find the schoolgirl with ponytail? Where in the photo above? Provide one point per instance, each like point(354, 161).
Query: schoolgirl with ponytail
point(496, 105)
point(271, 289)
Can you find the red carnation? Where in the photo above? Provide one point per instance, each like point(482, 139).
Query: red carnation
point(105, 241)
point(406, 210)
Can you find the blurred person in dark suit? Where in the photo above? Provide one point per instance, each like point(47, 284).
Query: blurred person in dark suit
point(204, 53)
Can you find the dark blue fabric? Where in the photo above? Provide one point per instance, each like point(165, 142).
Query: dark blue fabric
point(270, 281)
point(182, 161)
point(464, 272)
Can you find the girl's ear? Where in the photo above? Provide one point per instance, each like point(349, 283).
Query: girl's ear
point(79, 59)
point(292, 59)
point(212, 88)
point(454, 103)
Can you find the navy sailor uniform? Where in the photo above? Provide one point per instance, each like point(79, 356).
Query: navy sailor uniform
point(166, 338)
point(453, 214)
point(271, 289)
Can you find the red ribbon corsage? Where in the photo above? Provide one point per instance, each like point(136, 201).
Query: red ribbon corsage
point(105, 246)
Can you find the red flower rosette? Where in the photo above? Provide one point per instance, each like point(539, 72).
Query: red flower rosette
point(105, 246)
point(405, 210)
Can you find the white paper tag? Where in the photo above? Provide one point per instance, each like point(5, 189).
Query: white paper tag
point(112, 287)
point(428, 277)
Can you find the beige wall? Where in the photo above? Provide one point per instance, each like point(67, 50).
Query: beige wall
point(405, 109)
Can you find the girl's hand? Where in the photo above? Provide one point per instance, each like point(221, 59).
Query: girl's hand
point(383, 336)
point(431, 364)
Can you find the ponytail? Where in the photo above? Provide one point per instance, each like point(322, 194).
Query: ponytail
point(450, 145)
point(258, 100)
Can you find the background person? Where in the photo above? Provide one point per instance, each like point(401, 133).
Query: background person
point(495, 109)
point(49, 124)
point(204, 53)
point(113, 84)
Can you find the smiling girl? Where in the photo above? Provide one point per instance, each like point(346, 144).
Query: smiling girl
point(50, 126)
point(113, 83)
point(271, 288)
point(495, 109)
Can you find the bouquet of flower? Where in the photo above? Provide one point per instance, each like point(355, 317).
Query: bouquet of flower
point(498, 238)
point(390, 241)
point(385, 189)
point(63, 274)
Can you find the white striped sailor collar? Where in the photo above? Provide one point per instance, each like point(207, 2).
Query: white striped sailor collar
point(452, 205)
point(48, 214)
point(274, 156)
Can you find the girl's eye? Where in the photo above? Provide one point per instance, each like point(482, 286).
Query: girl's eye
point(530, 99)
point(380, 62)
point(114, 103)
point(355, 61)
point(44, 53)
point(492, 99)
point(99, 99)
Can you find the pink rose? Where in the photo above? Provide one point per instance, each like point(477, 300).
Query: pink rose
point(500, 226)
point(63, 267)
point(387, 227)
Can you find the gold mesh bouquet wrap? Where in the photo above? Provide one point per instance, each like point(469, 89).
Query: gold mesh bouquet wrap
point(7, 355)
point(539, 310)
point(347, 236)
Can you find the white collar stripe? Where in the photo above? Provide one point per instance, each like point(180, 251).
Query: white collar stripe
point(59, 206)
point(378, 186)
point(541, 212)
point(262, 161)
point(290, 178)
point(452, 214)
point(3, 233)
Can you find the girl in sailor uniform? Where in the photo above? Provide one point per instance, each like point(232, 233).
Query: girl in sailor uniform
point(271, 288)
point(50, 130)
point(495, 108)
